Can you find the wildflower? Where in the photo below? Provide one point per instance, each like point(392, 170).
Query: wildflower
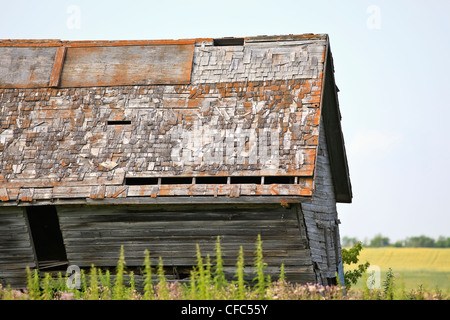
point(67, 296)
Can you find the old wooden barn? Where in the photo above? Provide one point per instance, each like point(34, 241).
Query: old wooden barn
point(165, 144)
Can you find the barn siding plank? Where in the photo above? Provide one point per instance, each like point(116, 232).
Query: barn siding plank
point(16, 251)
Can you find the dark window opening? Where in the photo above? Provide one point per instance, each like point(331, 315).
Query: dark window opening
point(176, 180)
point(141, 181)
point(229, 42)
point(279, 180)
point(118, 122)
point(47, 238)
point(245, 180)
point(211, 180)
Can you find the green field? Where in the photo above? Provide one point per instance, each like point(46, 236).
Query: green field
point(412, 267)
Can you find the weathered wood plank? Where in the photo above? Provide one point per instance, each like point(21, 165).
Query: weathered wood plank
point(4, 194)
point(232, 190)
point(26, 67)
point(127, 65)
point(57, 66)
point(16, 250)
point(71, 192)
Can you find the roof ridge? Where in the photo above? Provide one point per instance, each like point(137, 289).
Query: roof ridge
point(86, 43)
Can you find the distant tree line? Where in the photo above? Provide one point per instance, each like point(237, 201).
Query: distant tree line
point(411, 242)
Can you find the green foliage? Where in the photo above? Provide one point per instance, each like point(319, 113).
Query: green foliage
point(192, 294)
point(202, 279)
point(282, 275)
point(442, 242)
point(162, 291)
point(148, 283)
point(60, 284)
point(350, 256)
point(119, 287)
point(348, 242)
point(33, 284)
point(240, 275)
point(388, 285)
point(423, 242)
point(260, 278)
point(219, 275)
point(379, 241)
point(94, 292)
point(47, 290)
point(411, 242)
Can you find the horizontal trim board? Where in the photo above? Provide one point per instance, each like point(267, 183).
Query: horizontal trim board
point(98, 43)
point(136, 200)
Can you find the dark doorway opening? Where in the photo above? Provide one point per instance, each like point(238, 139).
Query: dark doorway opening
point(47, 238)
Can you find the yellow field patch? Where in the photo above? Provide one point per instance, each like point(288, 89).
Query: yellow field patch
point(432, 259)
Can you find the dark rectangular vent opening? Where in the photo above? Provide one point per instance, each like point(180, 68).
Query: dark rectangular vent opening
point(47, 237)
point(228, 42)
point(118, 122)
point(140, 181)
point(279, 180)
point(211, 180)
point(245, 180)
point(177, 180)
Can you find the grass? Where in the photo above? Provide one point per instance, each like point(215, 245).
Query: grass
point(208, 282)
point(412, 267)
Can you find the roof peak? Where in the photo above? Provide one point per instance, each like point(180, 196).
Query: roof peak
point(81, 43)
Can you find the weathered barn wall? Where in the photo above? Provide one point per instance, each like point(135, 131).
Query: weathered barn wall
point(94, 234)
point(16, 249)
point(321, 217)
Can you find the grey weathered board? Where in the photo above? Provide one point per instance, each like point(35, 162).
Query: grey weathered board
point(16, 251)
point(94, 234)
point(26, 67)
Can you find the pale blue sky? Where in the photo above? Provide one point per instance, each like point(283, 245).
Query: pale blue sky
point(391, 68)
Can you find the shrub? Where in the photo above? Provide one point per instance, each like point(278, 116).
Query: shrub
point(350, 256)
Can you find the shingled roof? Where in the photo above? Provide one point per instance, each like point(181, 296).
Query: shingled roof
point(167, 119)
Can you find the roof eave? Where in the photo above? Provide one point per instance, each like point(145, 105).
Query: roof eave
point(334, 135)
